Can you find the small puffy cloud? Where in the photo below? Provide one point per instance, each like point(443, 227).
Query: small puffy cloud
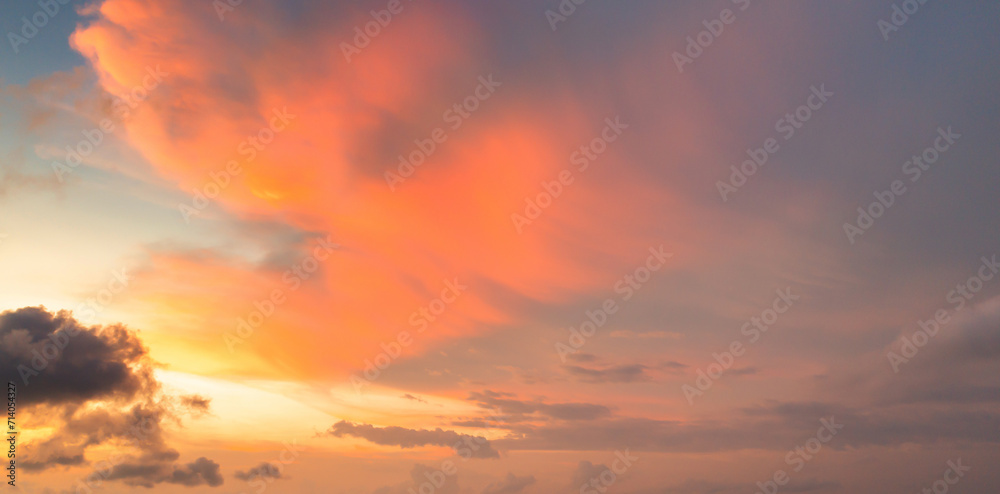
point(196, 405)
point(264, 470)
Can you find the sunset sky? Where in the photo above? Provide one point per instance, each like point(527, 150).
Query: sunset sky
point(501, 247)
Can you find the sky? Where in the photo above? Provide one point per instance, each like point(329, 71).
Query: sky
point(499, 247)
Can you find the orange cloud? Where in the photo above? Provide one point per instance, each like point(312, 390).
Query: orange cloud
point(324, 171)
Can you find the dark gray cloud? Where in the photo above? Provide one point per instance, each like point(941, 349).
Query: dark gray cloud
point(94, 386)
point(56, 360)
point(264, 470)
point(199, 472)
point(473, 446)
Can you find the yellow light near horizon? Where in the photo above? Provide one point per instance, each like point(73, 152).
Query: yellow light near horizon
point(243, 417)
point(257, 415)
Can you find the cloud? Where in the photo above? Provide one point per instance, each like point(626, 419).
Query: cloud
point(585, 472)
point(954, 367)
point(974, 338)
point(18, 181)
point(93, 386)
point(58, 360)
point(477, 447)
point(629, 334)
point(138, 427)
point(696, 486)
point(582, 357)
point(199, 472)
point(264, 470)
point(48, 96)
point(777, 426)
point(612, 374)
point(518, 410)
point(509, 484)
point(326, 171)
point(672, 366)
point(196, 404)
